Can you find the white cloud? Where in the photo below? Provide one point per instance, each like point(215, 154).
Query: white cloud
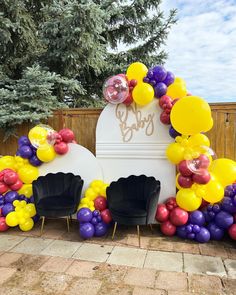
point(202, 47)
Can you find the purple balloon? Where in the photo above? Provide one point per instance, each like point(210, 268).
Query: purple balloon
point(96, 213)
point(181, 231)
point(2, 200)
point(94, 220)
point(25, 151)
point(169, 79)
point(146, 80)
point(34, 160)
point(189, 228)
point(11, 196)
point(36, 218)
point(197, 217)
point(31, 200)
point(160, 89)
point(196, 228)
point(23, 140)
point(228, 205)
point(216, 232)
point(100, 229)
point(150, 74)
point(216, 208)
point(234, 201)
point(17, 153)
point(84, 215)
point(203, 236)
point(86, 230)
point(173, 133)
point(99, 218)
point(191, 236)
point(153, 82)
point(7, 208)
point(159, 73)
point(224, 219)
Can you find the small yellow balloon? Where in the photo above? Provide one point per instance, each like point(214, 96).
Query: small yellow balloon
point(26, 190)
point(180, 81)
point(12, 219)
point(199, 140)
point(191, 115)
point(28, 174)
point(188, 200)
point(136, 71)
point(143, 93)
point(213, 191)
point(27, 225)
point(224, 170)
point(176, 90)
point(8, 162)
point(96, 183)
point(30, 208)
point(175, 153)
point(90, 194)
point(103, 190)
point(20, 162)
point(46, 153)
point(176, 182)
point(38, 136)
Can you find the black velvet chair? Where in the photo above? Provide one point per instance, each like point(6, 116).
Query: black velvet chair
point(57, 195)
point(133, 201)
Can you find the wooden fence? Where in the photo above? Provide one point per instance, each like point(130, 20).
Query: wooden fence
point(83, 123)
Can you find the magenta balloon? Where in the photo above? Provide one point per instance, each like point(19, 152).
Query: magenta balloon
point(116, 89)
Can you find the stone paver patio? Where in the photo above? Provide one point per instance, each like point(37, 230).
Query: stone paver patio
point(62, 263)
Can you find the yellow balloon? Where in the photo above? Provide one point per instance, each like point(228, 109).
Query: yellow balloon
point(188, 200)
point(176, 90)
point(180, 80)
point(175, 153)
point(176, 182)
point(27, 225)
point(46, 153)
point(103, 191)
point(28, 173)
point(26, 190)
point(38, 136)
point(143, 93)
point(30, 208)
point(12, 219)
point(20, 162)
point(137, 71)
point(191, 115)
point(224, 170)
point(90, 194)
point(7, 162)
point(213, 191)
point(199, 139)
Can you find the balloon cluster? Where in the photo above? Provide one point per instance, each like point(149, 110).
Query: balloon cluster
point(9, 180)
point(166, 104)
point(27, 151)
point(93, 215)
point(170, 216)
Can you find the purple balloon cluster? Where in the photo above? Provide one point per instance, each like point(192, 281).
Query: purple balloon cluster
point(6, 201)
point(160, 79)
point(27, 151)
point(91, 223)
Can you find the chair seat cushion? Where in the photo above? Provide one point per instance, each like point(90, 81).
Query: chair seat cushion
point(130, 209)
point(56, 203)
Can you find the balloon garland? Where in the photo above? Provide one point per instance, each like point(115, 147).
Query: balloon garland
point(203, 182)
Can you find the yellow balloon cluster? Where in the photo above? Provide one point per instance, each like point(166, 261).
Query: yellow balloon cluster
point(177, 89)
point(21, 216)
point(187, 148)
point(95, 189)
point(191, 115)
point(26, 190)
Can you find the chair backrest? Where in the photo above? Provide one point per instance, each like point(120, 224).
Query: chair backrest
point(54, 184)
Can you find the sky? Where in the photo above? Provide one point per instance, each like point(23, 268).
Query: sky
point(202, 47)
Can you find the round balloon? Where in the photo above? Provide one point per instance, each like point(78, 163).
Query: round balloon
point(100, 229)
point(175, 153)
point(46, 153)
point(203, 236)
point(188, 200)
point(197, 217)
point(84, 215)
point(28, 173)
point(232, 231)
point(178, 216)
point(213, 191)
point(116, 89)
point(143, 93)
point(27, 225)
point(167, 228)
point(224, 170)
point(176, 90)
point(86, 230)
point(137, 71)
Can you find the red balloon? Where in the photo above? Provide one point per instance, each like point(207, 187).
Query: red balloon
point(0, 212)
point(129, 99)
point(67, 135)
point(133, 83)
point(167, 228)
point(183, 169)
point(165, 102)
point(106, 216)
point(184, 181)
point(61, 148)
point(162, 213)
point(202, 178)
point(17, 185)
point(171, 203)
point(3, 225)
point(100, 203)
point(10, 177)
point(204, 161)
point(232, 231)
point(3, 188)
point(165, 118)
point(178, 216)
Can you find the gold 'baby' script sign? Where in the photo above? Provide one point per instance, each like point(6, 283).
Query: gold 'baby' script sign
point(131, 119)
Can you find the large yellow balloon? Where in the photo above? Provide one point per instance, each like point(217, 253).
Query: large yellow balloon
point(28, 173)
point(38, 136)
point(176, 90)
point(8, 162)
point(199, 140)
point(191, 115)
point(188, 200)
point(26, 190)
point(213, 191)
point(143, 93)
point(137, 71)
point(12, 219)
point(175, 153)
point(27, 225)
point(224, 170)
point(46, 153)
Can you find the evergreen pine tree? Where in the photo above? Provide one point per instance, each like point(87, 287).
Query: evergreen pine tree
point(61, 51)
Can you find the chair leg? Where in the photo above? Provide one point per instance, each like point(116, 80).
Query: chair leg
point(151, 228)
point(138, 231)
point(42, 225)
point(114, 231)
point(68, 224)
point(71, 219)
